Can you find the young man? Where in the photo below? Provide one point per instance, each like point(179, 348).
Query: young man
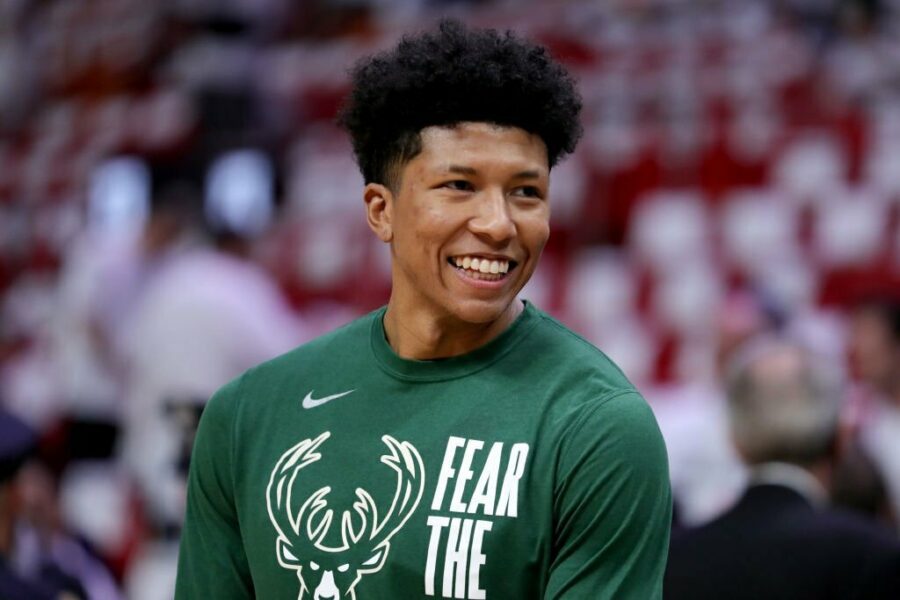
point(458, 443)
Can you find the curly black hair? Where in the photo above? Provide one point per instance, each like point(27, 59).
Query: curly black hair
point(451, 75)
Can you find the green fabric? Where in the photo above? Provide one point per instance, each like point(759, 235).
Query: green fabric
point(529, 468)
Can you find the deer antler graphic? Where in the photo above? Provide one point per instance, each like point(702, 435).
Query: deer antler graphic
point(301, 537)
point(405, 460)
point(292, 542)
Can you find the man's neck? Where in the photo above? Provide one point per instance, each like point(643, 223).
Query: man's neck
point(812, 481)
point(887, 390)
point(894, 394)
point(420, 335)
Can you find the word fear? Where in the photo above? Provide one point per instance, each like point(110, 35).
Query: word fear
point(484, 496)
point(492, 491)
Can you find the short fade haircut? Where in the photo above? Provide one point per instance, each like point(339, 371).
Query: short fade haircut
point(784, 402)
point(453, 75)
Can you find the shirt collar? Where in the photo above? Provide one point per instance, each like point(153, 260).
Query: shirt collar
point(790, 476)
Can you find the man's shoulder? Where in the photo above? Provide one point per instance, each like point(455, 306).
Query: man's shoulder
point(587, 393)
point(556, 346)
point(772, 512)
point(778, 537)
point(846, 526)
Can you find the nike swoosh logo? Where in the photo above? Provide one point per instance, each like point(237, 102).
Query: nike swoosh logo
point(310, 402)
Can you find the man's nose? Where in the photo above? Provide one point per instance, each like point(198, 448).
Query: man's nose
point(493, 220)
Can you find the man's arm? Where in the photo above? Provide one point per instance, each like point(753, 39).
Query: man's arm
point(613, 505)
point(211, 562)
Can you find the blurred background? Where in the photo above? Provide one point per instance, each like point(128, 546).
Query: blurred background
point(177, 205)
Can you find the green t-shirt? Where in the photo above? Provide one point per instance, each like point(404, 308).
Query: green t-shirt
point(528, 468)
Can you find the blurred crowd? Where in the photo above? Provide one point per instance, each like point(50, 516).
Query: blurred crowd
point(177, 205)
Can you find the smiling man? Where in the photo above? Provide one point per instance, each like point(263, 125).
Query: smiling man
point(458, 443)
point(466, 225)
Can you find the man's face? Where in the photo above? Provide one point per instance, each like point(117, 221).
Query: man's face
point(468, 222)
point(873, 354)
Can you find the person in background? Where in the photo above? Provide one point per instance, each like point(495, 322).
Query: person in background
point(17, 442)
point(781, 539)
point(205, 313)
point(706, 473)
point(874, 417)
point(30, 566)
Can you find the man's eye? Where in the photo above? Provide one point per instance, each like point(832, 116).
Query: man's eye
point(529, 191)
point(458, 184)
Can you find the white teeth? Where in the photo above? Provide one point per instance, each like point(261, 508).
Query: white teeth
point(482, 265)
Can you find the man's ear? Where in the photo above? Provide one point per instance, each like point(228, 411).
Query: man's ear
point(380, 210)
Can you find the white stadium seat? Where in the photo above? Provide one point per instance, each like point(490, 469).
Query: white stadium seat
point(684, 298)
point(670, 228)
point(601, 287)
point(882, 168)
point(810, 166)
point(758, 227)
point(850, 228)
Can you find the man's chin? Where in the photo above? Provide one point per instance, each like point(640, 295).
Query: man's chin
point(484, 312)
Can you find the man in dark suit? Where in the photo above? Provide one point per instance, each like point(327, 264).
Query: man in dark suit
point(43, 579)
point(781, 540)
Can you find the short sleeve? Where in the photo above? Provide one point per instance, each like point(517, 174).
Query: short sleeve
point(211, 561)
point(612, 506)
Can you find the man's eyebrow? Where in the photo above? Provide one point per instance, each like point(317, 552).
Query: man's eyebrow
point(463, 170)
point(460, 169)
point(530, 174)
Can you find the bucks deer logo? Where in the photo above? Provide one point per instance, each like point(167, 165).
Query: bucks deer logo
point(332, 572)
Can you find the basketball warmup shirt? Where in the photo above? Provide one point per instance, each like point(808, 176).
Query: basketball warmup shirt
point(529, 468)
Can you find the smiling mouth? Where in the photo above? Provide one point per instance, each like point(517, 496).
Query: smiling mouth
point(482, 269)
